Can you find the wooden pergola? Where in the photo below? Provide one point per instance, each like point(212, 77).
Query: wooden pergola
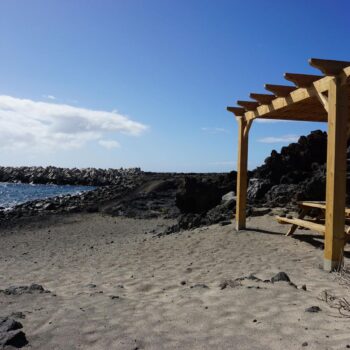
point(312, 98)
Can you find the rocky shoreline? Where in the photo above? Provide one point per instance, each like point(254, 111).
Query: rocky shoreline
point(295, 173)
point(137, 194)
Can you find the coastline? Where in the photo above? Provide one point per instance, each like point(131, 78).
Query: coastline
point(133, 193)
point(132, 265)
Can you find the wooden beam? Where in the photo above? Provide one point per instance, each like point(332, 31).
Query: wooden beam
point(242, 173)
point(248, 105)
point(338, 115)
point(329, 67)
point(263, 99)
point(237, 111)
point(280, 90)
point(302, 80)
point(323, 99)
point(297, 96)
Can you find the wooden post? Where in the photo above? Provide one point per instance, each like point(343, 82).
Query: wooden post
point(242, 169)
point(338, 115)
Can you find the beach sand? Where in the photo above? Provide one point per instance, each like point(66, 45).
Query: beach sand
point(113, 286)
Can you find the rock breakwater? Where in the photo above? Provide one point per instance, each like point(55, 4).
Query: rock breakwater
point(66, 176)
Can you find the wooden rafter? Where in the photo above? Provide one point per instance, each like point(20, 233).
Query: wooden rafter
point(329, 67)
point(263, 99)
point(291, 103)
point(302, 80)
point(288, 108)
point(280, 90)
point(248, 105)
point(237, 111)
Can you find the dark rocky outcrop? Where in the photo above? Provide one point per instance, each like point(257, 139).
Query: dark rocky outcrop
point(197, 196)
point(204, 201)
point(294, 160)
point(257, 189)
point(297, 172)
point(11, 333)
point(18, 290)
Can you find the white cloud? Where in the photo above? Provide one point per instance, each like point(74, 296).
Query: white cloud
point(280, 139)
point(50, 97)
point(109, 144)
point(215, 130)
point(31, 125)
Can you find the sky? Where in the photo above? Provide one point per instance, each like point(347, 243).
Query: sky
point(116, 83)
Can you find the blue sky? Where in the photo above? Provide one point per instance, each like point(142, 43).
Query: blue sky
point(146, 83)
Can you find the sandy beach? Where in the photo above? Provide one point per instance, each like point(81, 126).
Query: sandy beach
point(115, 285)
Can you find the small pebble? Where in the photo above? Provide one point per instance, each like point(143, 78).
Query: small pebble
point(313, 309)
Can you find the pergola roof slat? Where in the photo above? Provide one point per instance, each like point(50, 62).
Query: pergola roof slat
point(248, 105)
point(263, 98)
point(302, 80)
point(237, 111)
point(329, 67)
point(280, 90)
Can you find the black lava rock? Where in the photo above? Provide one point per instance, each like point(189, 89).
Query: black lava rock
point(18, 290)
point(10, 333)
point(281, 276)
point(197, 196)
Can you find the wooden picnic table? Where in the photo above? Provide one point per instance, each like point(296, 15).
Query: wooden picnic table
point(315, 225)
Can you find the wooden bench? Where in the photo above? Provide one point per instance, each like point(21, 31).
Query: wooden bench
point(315, 224)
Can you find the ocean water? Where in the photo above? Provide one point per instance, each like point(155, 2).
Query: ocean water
point(12, 194)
